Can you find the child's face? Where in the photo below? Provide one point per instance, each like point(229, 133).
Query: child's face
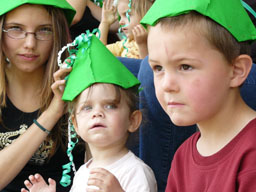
point(191, 77)
point(122, 8)
point(100, 121)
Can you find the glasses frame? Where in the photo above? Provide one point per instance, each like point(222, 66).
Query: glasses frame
point(25, 34)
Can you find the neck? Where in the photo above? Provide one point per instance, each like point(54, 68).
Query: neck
point(23, 88)
point(105, 156)
point(224, 126)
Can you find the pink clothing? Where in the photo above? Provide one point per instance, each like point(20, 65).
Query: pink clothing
point(231, 169)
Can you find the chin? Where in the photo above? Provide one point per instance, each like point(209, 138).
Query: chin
point(181, 121)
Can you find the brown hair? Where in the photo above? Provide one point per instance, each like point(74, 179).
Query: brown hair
point(218, 36)
point(60, 38)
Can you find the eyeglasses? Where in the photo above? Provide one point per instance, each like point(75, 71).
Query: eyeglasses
point(14, 33)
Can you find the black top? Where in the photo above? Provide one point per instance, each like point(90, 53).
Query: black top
point(16, 122)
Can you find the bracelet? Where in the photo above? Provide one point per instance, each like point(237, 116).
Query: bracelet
point(41, 127)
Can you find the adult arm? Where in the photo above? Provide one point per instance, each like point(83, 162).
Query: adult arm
point(79, 6)
point(15, 156)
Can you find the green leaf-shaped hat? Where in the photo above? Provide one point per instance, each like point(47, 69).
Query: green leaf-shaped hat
point(8, 5)
point(94, 63)
point(228, 13)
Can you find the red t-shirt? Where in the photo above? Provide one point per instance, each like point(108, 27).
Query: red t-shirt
point(231, 169)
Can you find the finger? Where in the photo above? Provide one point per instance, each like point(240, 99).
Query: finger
point(92, 190)
point(52, 183)
point(134, 32)
point(108, 5)
point(95, 182)
point(32, 179)
point(28, 184)
point(139, 29)
point(104, 5)
point(23, 190)
point(58, 86)
point(61, 73)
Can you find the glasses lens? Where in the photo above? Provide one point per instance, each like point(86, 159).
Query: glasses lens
point(44, 35)
point(16, 34)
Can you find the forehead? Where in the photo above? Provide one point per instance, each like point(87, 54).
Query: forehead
point(30, 14)
point(99, 91)
point(122, 5)
point(176, 43)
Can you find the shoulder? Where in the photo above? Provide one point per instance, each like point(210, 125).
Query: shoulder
point(135, 175)
point(186, 147)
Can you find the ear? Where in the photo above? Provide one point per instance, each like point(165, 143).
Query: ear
point(241, 68)
point(135, 120)
point(73, 118)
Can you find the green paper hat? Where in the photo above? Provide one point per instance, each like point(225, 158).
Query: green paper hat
point(228, 13)
point(94, 63)
point(8, 5)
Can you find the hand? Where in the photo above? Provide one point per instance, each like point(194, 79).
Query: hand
point(140, 34)
point(104, 180)
point(36, 183)
point(56, 107)
point(109, 15)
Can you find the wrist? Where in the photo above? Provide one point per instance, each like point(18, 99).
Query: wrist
point(41, 127)
point(105, 23)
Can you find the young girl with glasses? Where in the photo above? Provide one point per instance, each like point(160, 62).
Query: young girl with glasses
point(32, 134)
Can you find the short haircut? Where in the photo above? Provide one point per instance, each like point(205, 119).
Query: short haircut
point(220, 38)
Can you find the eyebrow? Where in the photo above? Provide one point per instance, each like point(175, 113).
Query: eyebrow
point(19, 24)
point(175, 60)
point(114, 100)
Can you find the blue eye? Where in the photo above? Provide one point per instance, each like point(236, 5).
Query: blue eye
point(86, 108)
point(14, 29)
point(45, 29)
point(110, 106)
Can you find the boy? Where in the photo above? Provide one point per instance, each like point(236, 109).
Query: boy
point(199, 54)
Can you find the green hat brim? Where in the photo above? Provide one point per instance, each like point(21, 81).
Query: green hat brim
point(228, 13)
point(69, 11)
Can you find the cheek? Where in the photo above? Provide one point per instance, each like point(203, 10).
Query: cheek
point(204, 94)
point(159, 92)
point(8, 46)
point(47, 49)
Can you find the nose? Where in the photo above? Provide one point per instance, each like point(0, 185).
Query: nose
point(30, 41)
point(170, 83)
point(122, 21)
point(97, 112)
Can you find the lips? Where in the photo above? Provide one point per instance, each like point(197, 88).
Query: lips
point(175, 104)
point(125, 30)
point(98, 126)
point(28, 57)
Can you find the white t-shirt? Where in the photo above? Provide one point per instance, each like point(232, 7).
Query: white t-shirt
point(132, 173)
